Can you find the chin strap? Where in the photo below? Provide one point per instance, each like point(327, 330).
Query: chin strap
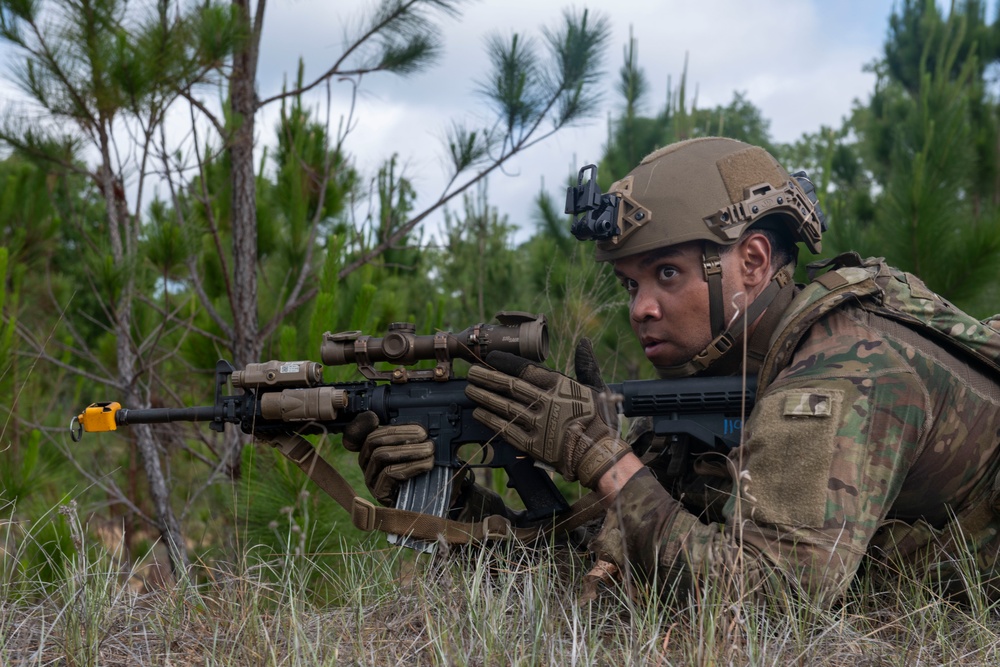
point(725, 338)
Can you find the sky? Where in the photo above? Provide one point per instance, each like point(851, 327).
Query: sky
point(800, 61)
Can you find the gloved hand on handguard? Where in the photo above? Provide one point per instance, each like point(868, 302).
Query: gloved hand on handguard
point(566, 423)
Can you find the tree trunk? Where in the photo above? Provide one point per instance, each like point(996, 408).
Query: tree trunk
point(123, 247)
point(243, 105)
point(149, 451)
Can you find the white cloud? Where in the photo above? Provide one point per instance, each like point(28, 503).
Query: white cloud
point(799, 62)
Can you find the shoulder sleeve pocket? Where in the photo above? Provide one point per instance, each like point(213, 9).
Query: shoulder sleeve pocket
point(789, 454)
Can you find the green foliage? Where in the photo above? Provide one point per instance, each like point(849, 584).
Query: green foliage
point(912, 175)
point(466, 147)
point(8, 321)
point(166, 244)
point(477, 289)
point(740, 119)
point(407, 38)
point(48, 218)
point(395, 197)
point(516, 80)
point(632, 136)
point(214, 33)
point(843, 181)
point(27, 220)
point(35, 554)
point(280, 513)
point(109, 62)
point(524, 89)
point(22, 473)
point(361, 313)
point(575, 71)
point(312, 177)
point(919, 28)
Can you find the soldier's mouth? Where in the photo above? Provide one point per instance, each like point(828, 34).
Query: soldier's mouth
point(651, 346)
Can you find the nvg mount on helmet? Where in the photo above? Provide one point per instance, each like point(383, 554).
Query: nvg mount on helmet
point(597, 214)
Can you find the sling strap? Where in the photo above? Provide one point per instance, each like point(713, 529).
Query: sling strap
point(368, 516)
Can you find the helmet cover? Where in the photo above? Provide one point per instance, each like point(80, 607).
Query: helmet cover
point(708, 189)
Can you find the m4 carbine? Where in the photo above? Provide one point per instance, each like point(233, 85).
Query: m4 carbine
point(279, 402)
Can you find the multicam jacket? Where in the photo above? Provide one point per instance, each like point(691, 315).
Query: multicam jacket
point(876, 432)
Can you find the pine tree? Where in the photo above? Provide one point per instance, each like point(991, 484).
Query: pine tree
point(94, 72)
point(912, 176)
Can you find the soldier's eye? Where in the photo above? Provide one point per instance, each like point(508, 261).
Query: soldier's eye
point(667, 272)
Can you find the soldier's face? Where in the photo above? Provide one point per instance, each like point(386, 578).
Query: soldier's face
point(668, 300)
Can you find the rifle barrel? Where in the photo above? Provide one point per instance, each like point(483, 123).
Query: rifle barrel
point(165, 415)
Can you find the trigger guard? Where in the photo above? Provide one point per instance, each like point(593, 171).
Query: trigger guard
point(484, 457)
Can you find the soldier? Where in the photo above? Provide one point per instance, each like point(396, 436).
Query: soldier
point(876, 428)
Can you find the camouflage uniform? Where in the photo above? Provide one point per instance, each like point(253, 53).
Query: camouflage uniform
point(870, 435)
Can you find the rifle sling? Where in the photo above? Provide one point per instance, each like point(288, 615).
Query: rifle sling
point(367, 516)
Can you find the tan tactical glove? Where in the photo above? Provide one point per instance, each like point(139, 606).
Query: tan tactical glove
point(551, 417)
point(389, 455)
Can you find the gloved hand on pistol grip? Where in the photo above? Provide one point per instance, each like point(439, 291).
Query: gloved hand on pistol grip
point(555, 419)
point(388, 455)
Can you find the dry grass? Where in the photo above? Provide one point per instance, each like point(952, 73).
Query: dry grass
point(477, 607)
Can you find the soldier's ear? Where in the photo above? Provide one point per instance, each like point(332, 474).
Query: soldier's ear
point(755, 259)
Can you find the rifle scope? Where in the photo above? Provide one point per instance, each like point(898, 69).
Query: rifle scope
point(519, 333)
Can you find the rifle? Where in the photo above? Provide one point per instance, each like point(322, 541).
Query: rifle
point(282, 401)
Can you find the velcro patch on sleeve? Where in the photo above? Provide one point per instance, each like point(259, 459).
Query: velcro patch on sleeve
point(790, 454)
point(809, 404)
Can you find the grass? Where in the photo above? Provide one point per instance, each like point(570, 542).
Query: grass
point(484, 606)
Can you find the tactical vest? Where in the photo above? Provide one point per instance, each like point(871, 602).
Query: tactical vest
point(881, 289)
point(874, 286)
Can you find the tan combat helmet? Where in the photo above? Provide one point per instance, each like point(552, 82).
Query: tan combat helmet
point(708, 189)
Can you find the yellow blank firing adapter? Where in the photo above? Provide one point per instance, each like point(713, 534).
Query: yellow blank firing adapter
point(95, 418)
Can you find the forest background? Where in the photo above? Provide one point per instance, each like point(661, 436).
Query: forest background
point(142, 239)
